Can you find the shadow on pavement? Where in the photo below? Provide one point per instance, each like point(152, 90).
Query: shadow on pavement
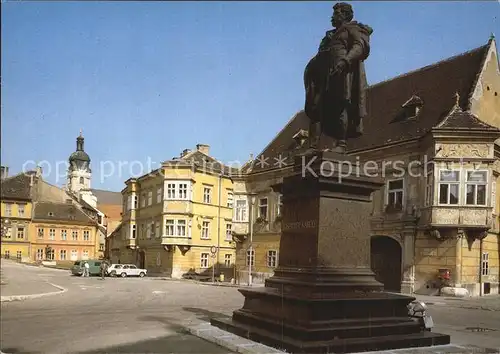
point(176, 343)
point(205, 315)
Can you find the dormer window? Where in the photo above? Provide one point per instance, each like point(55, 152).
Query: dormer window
point(300, 137)
point(412, 107)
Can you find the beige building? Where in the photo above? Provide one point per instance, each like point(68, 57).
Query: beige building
point(179, 218)
point(433, 134)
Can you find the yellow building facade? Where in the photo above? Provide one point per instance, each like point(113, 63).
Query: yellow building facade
point(41, 222)
point(16, 219)
point(179, 218)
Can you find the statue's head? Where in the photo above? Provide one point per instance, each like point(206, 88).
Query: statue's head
point(342, 12)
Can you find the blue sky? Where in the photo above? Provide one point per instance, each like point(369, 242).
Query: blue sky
point(145, 80)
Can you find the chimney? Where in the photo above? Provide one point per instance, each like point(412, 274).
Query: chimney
point(185, 152)
point(4, 172)
point(203, 148)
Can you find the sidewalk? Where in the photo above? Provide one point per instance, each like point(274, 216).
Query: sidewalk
point(488, 303)
point(19, 284)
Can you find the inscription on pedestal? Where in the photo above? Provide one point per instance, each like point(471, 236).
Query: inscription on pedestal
point(299, 229)
point(299, 225)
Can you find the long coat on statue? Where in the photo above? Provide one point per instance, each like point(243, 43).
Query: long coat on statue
point(326, 91)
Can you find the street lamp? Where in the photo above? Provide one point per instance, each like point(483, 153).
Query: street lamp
point(250, 249)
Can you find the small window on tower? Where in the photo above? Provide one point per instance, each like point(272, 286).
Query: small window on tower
point(81, 180)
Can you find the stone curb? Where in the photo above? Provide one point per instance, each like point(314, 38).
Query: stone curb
point(242, 345)
point(228, 340)
point(33, 296)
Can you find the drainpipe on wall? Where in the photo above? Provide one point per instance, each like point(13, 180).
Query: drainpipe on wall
point(458, 259)
point(480, 269)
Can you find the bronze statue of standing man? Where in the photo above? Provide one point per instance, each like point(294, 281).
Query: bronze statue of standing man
point(335, 83)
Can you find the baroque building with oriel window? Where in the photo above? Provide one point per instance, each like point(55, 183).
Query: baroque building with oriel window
point(434, 136)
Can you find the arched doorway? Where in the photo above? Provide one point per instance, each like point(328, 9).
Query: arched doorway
point(386, 262)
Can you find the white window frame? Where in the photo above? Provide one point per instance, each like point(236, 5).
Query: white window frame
point(204, 260)
point(177, 190)
point(279, 204)
point(41, 232)
point(391, 194)
point(261, 206)
point(64, 234)
point(449, 183)
point(153, 229)
point(150, 198)
point(21, 210)
point(133, 231)
point(20, 235)
point(250, 257)
point(143, 200)
point(230, 199)
point(8, 209)
point(62, 255)
point(135, 201)
point(272, 257)
point(85, 254)
point(476, 184)
point(429, 189)
point(229, 232)
point(52, 234)
point(227, 260)
point(129, 203)
point(205, 230)
point(485, 264)
point(148, 230)
point(74, 255)
point(157, 229)
point(86, 235)
point(159, 194)
point(181, 224)
point(39, 254)
point(241, 210)
point(170, 227)
point(74, 235)
point(494, 195)
point(207, 194)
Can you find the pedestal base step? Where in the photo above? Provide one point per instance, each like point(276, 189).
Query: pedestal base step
point(352, 345)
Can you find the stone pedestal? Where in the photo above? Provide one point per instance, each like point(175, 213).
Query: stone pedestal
point(323, 296)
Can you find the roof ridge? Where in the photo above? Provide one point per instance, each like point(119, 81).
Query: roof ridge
point(25, 173)
point(281, 131)
point(427, 67)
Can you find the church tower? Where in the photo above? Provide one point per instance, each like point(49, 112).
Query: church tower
point(79, 172)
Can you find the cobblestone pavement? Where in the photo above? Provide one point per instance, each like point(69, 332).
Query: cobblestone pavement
point(147, 315)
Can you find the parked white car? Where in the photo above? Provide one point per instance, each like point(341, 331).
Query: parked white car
point(126, 270)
